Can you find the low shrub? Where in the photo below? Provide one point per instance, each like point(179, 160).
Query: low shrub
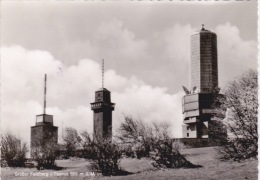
point(13, 151)
point(166, 154)
point(106, 157)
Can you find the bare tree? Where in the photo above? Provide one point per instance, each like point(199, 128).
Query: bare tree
point(71, 141)
point(106, 156)
point(165, 150)
point(13, 151)
point(45, 148)
point(136, 137)
point(87, 145)
point(153, 141)
point(241, 103)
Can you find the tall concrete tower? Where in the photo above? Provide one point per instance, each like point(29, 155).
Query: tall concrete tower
point(44, 133)
point(204, 61)
point(102, 108)
point(198, 103)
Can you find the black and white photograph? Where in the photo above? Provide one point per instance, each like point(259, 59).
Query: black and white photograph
point(121, 89)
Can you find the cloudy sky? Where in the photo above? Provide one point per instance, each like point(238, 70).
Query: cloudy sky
point(146, 47)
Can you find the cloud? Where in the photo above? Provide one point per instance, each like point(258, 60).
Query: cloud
point(113, 35)
point(235, 55)
point(70, 92)
point(151, 104)
point(80, 117)
point(170, 49)
point(170, 52)
point(18, 116)
point(161, 58)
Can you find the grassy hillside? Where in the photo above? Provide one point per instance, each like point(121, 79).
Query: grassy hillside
point(142, 169)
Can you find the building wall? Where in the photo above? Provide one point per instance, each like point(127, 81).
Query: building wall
point(107, 125)
point(102, 95)
point(195, 60)
point(98, 124)
point(103, 123)
point(195, 130)
point(208, 64)
point(43, 134)
point(192, 130)
point(102, 108)
point(198, 106)
point(189, 130)
point(204, 65)
point(36, 133)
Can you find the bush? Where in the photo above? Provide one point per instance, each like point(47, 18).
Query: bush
point(241, 103)
point(106, 157)
point(128, 152)
point(152, 141)
point(13, 151)
point(71, 142)
point(136, 136)
point(87, 145)
point(45, 149)
point(45, 156)
point(165, 150)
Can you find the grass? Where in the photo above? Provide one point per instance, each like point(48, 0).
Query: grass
point(142, 169)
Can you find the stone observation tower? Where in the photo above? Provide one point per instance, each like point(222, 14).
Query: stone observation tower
point(197, 104)
point(102, 108)
point(44, 133)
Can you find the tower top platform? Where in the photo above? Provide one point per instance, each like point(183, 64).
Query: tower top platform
point(42, 119)
point(102, 89)
point(202, 31)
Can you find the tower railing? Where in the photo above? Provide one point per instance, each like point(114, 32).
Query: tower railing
point(98, 105)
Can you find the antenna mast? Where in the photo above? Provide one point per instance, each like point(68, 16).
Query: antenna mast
point(102, 73)
point(62, 130)
point(45, 92)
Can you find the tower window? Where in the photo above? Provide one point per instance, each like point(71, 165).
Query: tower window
point(99, 97)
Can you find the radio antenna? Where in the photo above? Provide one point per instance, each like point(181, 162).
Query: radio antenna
point(45, 92)
point(103, 73)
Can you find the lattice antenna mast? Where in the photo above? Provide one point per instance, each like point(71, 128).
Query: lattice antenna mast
point(103, 73)
point(45, 92)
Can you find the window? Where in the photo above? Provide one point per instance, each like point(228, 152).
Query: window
point(188, 134)
point(99, 97)
point(188, 127)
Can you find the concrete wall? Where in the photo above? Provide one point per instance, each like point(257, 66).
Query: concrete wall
point(204, 61)
point(208, 61)
point(189, 130)
point(195, 61)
